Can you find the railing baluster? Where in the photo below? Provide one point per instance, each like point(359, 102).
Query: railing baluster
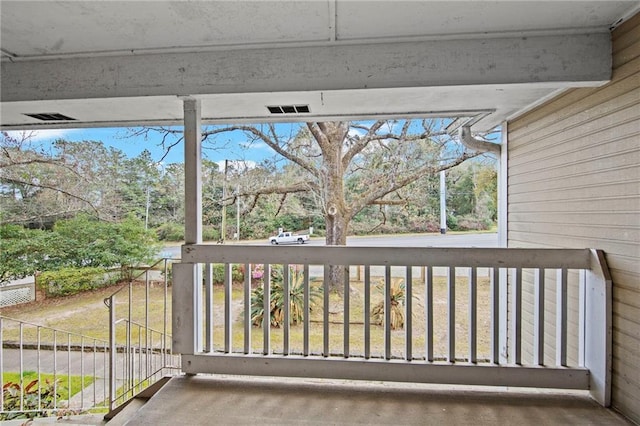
point(473, 315)
point(408, 314)
point(129, 318)
point(428, 314)
point(451, 307)
point(38, 368)
point(287, 307)
point(387, 312)
point(55, 367)
point(495, 315)
point(69, 365)
point(517, 316)
point(165, 318)
point(538, 318)
point(147, 365)
point(582, 284)
point(139, 378)
point(81, 373)
point(266, 314)
point(247, 308)
point(561, 317)
point(208, 285)
point(367, 311)
point(112, 351)
point(325, 314)
point(106, 384)
point(307, 310)
point(228, 324)
point(21, 349)
point(346, 313)
point(95, 374)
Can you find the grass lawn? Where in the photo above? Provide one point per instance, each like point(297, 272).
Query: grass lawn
point(86, 314)
point(356, 321)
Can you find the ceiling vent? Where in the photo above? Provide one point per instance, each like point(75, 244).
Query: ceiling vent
point(288, 109)
point(50, 116)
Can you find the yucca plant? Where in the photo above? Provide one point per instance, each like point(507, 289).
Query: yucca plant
point(397, 305)
point(296, 299)
point(35, 401)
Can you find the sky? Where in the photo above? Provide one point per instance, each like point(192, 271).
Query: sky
point(132, 146)
point(232, 146)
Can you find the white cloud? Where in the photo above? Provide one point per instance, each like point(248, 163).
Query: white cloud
point(239, 165)
point(42, 135)
point(253, 145)
point(356, 132)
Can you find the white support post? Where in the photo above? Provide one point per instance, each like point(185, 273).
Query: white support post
point(597, 345)
point(503, 194)
point(187, 324)
point(503, 187)
point(192, 172)
point(185, 317)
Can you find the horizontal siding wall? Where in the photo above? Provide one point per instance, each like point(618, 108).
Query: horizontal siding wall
point(574, 181)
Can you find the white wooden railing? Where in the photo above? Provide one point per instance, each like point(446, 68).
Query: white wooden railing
point(465, 313)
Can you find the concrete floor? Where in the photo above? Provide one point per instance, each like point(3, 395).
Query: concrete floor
point(230, 400)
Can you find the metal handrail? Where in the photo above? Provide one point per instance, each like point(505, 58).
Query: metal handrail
point(133, 380)
point(145, 270)
point(89, 348)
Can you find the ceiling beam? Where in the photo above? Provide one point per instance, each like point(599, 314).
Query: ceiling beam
point(578, 59)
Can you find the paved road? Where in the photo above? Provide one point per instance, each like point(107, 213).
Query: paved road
point(414, 240)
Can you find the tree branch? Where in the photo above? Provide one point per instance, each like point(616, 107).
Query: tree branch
point(319, 135)
point(361, 143)
point(271, 143)
point(53, 188)
point(377, 191)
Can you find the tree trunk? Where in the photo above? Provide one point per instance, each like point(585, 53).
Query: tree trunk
point(336, 226)
point(337, 214)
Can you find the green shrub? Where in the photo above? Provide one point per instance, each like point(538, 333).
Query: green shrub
point(452, 223)
point(209, 233)
point(237, 273)
point(68, 281)
point(170, 232)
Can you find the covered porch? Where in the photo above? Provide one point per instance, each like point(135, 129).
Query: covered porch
point(481, 64)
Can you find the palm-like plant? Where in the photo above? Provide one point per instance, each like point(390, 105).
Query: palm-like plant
point(397, 298)
point(296, 299)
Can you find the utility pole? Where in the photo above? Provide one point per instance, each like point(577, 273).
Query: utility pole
point(238, 212)
point(224, 207)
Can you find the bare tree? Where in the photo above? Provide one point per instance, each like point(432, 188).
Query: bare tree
point(39, 186)
point(348, 166)
point(345, 166)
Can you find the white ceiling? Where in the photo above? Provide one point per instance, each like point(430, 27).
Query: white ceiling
point(46, 34)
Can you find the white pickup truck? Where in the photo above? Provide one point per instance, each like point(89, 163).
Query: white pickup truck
point(289, 238)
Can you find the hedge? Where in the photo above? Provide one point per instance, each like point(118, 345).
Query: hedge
point(68, 281)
